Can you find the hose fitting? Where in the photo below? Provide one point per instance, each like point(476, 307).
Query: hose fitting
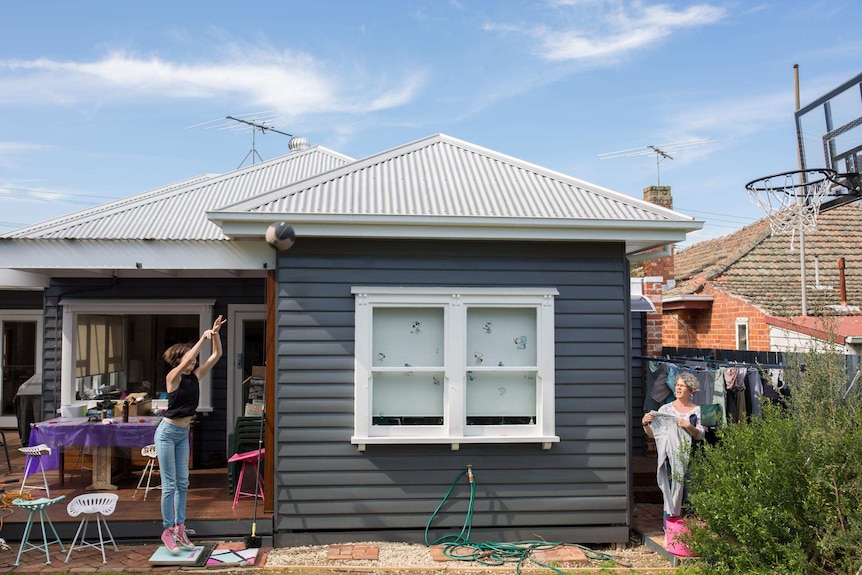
point(470, 473)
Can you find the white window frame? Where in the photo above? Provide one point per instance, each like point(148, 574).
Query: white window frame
point(742, 322)
point(71, 308)
point(455, 302)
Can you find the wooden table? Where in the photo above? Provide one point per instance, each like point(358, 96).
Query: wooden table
point(99, 436)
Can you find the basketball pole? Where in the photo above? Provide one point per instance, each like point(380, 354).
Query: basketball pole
point(801, 162)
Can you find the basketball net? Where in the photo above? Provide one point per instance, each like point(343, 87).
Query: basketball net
point(790, 202)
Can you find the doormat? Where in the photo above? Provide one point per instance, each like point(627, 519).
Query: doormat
point(233, 557)
point(196, 557)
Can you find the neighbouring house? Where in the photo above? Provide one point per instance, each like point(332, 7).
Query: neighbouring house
point(743, 291)
point(444, 306)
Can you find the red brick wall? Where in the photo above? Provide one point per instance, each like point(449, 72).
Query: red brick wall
point(716, 328)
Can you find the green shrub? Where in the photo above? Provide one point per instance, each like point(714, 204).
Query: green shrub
point(781, 493)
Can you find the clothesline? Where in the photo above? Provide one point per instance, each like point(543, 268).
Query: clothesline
point(711, 362)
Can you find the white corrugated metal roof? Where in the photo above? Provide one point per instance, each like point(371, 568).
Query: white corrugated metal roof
point(444, 187)
point(444, 176)
point(178, 211)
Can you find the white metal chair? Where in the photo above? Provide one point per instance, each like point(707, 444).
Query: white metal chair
point(35, 452)
point(148, 451)
point(99, 505)
point(38, 506)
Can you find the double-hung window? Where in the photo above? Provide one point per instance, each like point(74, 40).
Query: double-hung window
point(454, 365)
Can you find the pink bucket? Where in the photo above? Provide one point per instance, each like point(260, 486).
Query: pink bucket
point(673, 530)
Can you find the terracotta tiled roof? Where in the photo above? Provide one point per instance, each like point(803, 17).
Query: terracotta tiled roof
point(760, 267)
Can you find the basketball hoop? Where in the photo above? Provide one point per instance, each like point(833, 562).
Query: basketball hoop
point(792, 199)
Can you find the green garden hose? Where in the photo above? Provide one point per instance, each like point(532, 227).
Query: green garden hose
point(458, 546)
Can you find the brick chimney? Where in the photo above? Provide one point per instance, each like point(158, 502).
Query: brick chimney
point(657, 272)
point(660, 267)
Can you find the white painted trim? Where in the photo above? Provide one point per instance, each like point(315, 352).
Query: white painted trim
point(742, 321)
point(508, 293)
point(10, 420)
point(455, 302)
point(14, 279)
point(236, 314)
point(638, 235)
point(137, 257)
point(422, 439)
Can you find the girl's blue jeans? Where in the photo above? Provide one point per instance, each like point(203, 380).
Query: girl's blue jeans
point(172, 446)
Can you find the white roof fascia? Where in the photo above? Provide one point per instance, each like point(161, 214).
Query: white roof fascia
point(35, 255)
point(15, 279)
point(640, 235)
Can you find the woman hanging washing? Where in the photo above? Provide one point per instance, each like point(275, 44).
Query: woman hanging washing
point(172, 434)
point(673, 427)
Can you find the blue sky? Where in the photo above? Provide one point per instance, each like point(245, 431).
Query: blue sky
point(101, 100)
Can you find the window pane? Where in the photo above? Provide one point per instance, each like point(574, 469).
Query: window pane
point(19, 359)
point(407, 398)
point(501, 398)
point(501, 336)
point(411, 337)
point(100, 345)
point(742, 337)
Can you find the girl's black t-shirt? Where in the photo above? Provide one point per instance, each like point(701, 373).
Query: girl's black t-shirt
point(183, 401)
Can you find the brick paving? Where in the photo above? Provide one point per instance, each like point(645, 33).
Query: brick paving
point(352, 553)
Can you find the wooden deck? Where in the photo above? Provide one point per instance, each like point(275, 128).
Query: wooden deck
point(209, 510)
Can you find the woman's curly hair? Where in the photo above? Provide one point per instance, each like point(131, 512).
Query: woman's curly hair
point(690, 381)
point(174, 354)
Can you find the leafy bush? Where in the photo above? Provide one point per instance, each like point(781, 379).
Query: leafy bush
point(781, 493)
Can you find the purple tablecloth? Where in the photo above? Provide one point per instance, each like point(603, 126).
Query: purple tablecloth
point(77, 431)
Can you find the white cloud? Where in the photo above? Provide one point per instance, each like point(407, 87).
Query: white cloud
point(609, 30)
point(288, 82)
point(734, 118)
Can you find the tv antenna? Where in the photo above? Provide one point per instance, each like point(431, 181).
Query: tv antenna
point(661, 151)
point(262, 122)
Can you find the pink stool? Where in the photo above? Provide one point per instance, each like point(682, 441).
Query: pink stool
point(247, 458)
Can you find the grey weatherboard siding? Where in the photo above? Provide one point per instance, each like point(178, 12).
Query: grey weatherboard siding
point(329, 491)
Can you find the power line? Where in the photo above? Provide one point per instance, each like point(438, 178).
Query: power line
point(49, 196)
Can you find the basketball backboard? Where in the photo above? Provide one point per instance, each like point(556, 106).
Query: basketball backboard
point(829, 132)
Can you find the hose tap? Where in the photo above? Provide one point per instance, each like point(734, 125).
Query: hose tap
point(470, 473)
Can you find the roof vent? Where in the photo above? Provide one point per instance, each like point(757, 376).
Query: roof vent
point(298, 143)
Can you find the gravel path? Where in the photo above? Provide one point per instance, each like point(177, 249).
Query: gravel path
point(417, 557)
